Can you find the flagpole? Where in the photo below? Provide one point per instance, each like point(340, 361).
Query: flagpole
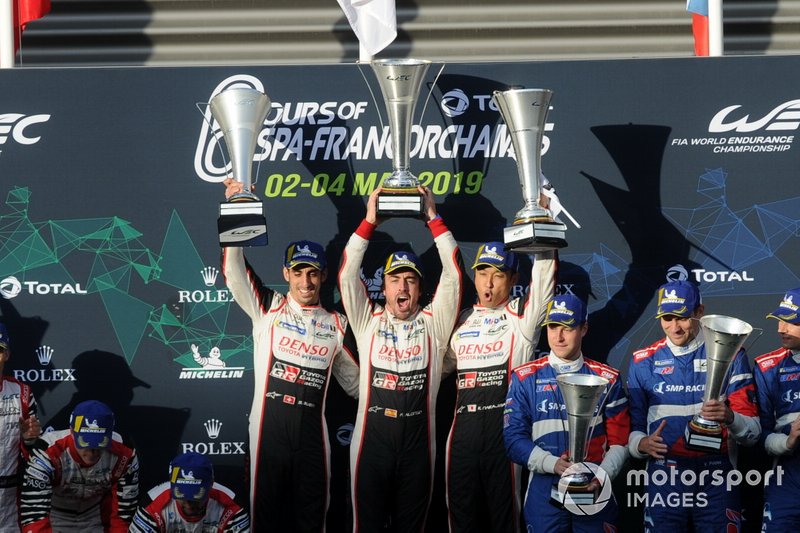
point(716, 45)
point(6, 34)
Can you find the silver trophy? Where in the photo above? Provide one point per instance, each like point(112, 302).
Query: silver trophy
point(582, 394)
point(400, 81)
point(240, 113)
point(724, 336)
point(525, 112)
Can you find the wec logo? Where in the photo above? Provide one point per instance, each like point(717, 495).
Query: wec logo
point(784, 117)
point(13, 126)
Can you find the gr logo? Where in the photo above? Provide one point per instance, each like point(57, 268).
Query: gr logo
point(467, 380)
point(385, 380)
point(285, 372)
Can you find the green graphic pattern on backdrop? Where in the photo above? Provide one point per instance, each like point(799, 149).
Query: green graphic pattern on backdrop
point(107, 258)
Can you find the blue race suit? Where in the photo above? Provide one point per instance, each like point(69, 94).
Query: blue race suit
point(666, 382)
point(536, 434)
point(777, 377)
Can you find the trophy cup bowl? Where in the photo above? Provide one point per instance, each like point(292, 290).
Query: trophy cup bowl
point(581, 393)
point(525, 113)
point(400, 81)
point(724, 337)
point(240, 113)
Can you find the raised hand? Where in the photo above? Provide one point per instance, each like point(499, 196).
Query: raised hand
point(653, 444)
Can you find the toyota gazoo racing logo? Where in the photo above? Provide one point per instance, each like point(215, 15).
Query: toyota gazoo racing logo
point(385, 380)
point(15, 127)
point(285, 372)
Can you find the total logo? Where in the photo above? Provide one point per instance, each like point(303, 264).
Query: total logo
point(211, 294)
point(44, 354)
point(213, 428)
point(680, 273)
point(11, 287)
point(14, 127)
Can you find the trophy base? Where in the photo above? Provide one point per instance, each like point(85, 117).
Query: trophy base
point(575, 489)
point(242, 224)
point(399, 203)
point(535, 236)
point(703, 435)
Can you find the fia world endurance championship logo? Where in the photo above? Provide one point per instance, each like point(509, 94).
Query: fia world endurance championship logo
point(589, 499)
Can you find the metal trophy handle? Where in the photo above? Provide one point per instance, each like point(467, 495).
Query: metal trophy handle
point(724, 336)
point(240, 113)
point(581, 393)
point(525, 113)
point(400, 81)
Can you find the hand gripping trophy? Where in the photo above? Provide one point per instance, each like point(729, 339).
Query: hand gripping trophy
point(723, 337)
point(525, 112)
point(582, 394)
point(240, 113)
point(400, 81)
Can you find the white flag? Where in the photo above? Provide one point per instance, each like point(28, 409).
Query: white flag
point(373, 21)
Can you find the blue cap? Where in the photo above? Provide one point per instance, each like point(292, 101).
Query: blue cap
point(305, 253)
point(787, 310)
point(494, 254)
point(567, 310)
point(679, 298)
point(5, 342)
point(92, 425)
point(401, 260)
point(191, 475)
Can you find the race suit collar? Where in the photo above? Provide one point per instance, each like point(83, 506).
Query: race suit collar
point(300, 308)
point(690, 346)
point(501, 305)
point(562, 366)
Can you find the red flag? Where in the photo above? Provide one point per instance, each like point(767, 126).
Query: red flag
point(24, 12)
point(699, 11)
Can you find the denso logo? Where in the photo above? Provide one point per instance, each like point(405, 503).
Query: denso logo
point(782, 118)
point(480, 349)
point(303, 347)
point(404, 353)
point(384, 380)
point(467, 380)
point(285, 372)
point(13, 126)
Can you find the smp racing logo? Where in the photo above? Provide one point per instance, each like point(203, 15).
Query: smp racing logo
point(737, 132)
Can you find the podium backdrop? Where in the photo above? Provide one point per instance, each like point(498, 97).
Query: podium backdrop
point(109, 180)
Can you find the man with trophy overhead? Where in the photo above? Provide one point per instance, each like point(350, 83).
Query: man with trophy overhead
point(401, 346)
point(492, 337)
point(297, 343)
point(776, 375)
point(538, 437)
point(692, 401)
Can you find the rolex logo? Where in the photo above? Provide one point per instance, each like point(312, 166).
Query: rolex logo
point(209, 275)
point(212, 426)
point(44, 354)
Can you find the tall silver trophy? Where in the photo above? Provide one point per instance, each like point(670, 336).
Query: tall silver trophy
point(525, 112)
point(582, 395)
point(240, 113)
point(724, 336)
point(400, 81)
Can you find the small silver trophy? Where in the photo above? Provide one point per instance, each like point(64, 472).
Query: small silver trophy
point(400, 81)
point(525, 112)
point(581, 393)
point(240, 113)
point(723, 337)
